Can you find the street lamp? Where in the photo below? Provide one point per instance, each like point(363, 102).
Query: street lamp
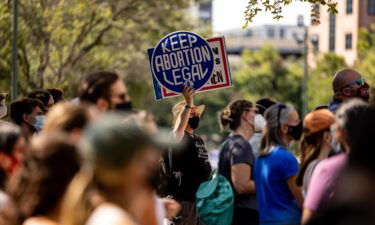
point(302, 39)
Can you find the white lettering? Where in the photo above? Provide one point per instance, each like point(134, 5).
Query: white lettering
point(180, 58)
point(159, 63)
point(167, 64)
point(192, 40)
point(198, 55)
point(192, 56)
point(176, 77)
point(201, 71)
point(164, 47)
point(195, 72)
point(182, 38)
point(173, 60)
point(166, 79)
point(186, 51)
point(185, 73)
point(174, 43)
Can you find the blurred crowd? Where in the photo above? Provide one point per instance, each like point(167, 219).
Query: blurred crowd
point(96, 160)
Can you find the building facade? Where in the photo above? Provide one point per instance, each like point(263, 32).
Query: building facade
point(339, 33)
point(282, 37)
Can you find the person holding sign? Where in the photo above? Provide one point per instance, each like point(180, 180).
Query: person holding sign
point(188, 164)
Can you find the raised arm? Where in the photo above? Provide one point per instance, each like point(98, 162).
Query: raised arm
point(183, 118)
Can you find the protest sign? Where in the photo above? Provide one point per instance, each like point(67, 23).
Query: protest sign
point(219, 77)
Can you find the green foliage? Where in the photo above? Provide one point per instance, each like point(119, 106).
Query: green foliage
point(366, 56)
point(320, 79)
point(265, 74)
point(275, 7)
point(61, 40)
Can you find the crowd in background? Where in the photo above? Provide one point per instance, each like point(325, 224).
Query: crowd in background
point(97, 160)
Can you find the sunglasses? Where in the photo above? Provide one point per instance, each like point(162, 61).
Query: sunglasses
point(360, 82)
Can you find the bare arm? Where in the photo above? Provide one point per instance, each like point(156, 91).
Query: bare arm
point(307, 214)
point(183, 118)
point(296, 190)
point(241, 179)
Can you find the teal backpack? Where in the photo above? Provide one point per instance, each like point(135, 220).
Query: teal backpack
point(215, 201)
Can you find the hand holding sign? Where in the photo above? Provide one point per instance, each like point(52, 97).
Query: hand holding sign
point(188, 95)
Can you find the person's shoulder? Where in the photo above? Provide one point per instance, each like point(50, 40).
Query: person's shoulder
point(337, 161)
point(108, 213)
point(283, 152)
point(39, 221)
point(239, 140)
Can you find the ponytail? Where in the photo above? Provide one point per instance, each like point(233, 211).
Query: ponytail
point(231, 115)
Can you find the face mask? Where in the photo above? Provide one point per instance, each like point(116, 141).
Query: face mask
point(194, 122)
point(296, 131)
point(126, 106)
point(259, 123)
point(3, 111)
point(39, 122)
point(363, 92)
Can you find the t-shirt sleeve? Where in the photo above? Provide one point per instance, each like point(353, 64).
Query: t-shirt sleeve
point(319, 188)
point(289, 166)
point(242, 153)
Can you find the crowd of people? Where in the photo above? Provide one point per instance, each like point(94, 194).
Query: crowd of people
point(95, 160)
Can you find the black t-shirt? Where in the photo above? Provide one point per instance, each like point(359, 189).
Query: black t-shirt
point(190, 167)
point(236, 150)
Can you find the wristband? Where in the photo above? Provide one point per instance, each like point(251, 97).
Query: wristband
point(188, 107)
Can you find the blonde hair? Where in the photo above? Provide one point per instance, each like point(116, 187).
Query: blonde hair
point(66, 117)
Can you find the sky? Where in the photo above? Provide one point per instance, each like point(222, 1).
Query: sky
point(229, 15)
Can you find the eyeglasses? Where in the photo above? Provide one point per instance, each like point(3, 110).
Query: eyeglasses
point(360, 82)
point(281, 107)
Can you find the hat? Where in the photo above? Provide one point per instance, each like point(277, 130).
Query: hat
point(318, 120)
point(179, 107)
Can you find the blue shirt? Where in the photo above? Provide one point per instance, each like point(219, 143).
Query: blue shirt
point(276, 203)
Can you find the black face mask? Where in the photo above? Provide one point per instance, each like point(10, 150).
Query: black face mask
point(126, 106)
point(194, 122)
point(296, 131)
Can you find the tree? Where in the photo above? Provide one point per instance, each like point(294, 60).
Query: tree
point(60, 40)
point(276, 6)
point(320, 79)
point(265, 74)
point(366, 56)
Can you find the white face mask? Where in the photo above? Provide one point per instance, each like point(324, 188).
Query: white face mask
point(259, 123)
point(3, 111)
point(335, 145)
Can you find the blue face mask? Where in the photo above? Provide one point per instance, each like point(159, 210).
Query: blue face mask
point(39, 122)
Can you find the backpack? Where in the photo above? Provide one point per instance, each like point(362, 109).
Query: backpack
point(165, 173)
point(215, 201)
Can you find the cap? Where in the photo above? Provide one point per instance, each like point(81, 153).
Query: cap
point(179, 107)
point(318, 120)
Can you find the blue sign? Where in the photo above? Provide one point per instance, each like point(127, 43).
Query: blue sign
point(182, 58)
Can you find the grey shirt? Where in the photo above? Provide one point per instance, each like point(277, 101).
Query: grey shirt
point(308, 174)
point(236, 150)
